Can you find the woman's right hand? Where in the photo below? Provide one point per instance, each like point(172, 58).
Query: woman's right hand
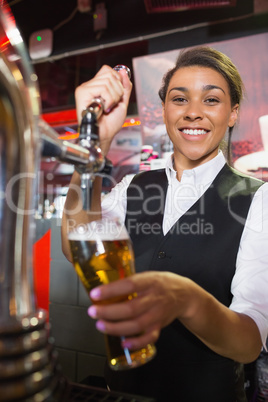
point(115, 89)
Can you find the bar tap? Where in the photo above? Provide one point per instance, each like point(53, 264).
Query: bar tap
point(90, 142)
point(86, 155)
point(29, 368)
point(89, 139)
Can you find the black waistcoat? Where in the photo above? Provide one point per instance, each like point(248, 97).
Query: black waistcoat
point(202, 245)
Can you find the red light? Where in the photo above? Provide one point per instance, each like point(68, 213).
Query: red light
point(68, 136)
point(5, 42)
point(131, 122)
point(69, 117)
point(63, 117)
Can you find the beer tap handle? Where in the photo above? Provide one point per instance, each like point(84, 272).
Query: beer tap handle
point(95, 107)
point(89, 139)
point(122, 67)
point(89, 129)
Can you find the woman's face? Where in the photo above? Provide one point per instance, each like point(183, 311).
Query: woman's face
point(197, 112)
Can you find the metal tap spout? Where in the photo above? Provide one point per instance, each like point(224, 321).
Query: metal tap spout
point(65, 151)
point(86, 155)
point(89, 139)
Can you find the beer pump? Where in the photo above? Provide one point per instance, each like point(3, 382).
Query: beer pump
point(86, 155)
point(89, 139)
point(29, 369)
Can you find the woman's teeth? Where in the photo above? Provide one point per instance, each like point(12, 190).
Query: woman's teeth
point(194, 132)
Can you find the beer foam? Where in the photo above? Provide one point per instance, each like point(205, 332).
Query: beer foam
point(105, 230)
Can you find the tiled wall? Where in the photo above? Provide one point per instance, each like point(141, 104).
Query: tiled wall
point(80, 346)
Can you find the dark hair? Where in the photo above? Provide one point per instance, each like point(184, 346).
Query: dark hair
point(205, 56)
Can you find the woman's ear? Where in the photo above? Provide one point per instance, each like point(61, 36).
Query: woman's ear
point(234, 115)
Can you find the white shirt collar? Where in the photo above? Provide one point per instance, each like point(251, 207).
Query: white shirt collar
point(201, 175)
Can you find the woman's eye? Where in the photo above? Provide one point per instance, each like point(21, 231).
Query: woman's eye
point(179, 99)
point(212, 100)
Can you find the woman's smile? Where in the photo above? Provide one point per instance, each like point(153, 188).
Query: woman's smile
point(194, 134)
point(195, 131)
point(197, 112)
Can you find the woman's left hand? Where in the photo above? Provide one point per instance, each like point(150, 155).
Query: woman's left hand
point(160, 298)
point(163, 297)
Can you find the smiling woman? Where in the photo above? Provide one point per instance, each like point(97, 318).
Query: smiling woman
point(221, 85)
point(196, 283)
point(197, 115)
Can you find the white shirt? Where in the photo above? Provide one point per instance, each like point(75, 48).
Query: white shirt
point(250, 282)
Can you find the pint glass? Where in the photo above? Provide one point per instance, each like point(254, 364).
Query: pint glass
point(102, 252)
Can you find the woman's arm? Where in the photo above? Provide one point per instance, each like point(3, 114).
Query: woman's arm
point(163, 297)
point(228, 333)
point(115, 89)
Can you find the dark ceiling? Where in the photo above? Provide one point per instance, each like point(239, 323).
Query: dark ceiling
point(79, 50)
point(126, 19)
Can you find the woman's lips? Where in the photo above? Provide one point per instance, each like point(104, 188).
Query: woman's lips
point(194, 134)
point(194, 131)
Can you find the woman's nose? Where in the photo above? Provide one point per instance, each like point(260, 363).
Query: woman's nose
point(193, 111)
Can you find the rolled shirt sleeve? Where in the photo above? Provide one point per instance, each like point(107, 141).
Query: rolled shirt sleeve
point(250, 282)
point(114, 203)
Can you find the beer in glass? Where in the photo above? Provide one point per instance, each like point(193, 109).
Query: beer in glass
point(102, 252)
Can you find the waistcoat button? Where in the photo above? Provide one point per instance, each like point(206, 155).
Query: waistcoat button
point(161, 254)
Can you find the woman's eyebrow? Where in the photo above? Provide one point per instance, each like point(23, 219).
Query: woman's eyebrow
point(207, 87)
point(182, 89)
point(210, 86)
